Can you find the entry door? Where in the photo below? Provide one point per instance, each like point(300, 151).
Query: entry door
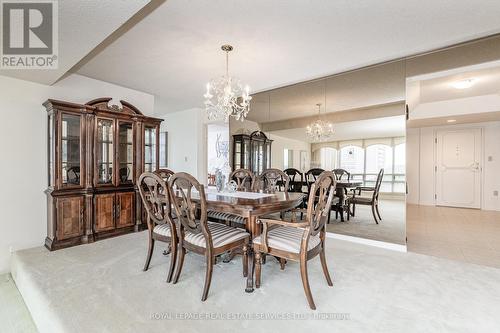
point(458, 168)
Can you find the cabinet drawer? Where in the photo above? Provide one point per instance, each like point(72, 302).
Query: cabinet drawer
point(70, 217)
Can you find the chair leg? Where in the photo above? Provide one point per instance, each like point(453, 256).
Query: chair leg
point(305, 282)
point(151, 247)
point(245, 260)
point(374, 214)
point(208, 275)
point(258, 269)
point(180, 263)
point(378, 213)
point(329, 214)
point(353, 209)
point(173, 259)
point(282, 264)
point(325, 267)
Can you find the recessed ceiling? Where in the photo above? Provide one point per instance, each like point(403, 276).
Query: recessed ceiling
point(82, 26)
point(174, 51)
point(362, 129)
point(485, 82)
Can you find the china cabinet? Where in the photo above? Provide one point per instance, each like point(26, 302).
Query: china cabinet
point(96, 152)
point(252, 152)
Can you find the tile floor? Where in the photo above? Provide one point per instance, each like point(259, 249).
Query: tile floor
point(467, 235)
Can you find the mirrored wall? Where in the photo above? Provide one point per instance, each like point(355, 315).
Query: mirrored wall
point(353, 124)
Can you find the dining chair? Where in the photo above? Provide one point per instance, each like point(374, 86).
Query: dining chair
point(339, 207)
point(299, 240)
point(310, 177)
point(154, 193)
point(244, 179)
point(164, 174)
point(296, 179)
point(272, 180)
point(196, 233)
point(372, 201)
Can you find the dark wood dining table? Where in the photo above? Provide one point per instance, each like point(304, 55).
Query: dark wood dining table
point(340, 192)
point(251, 209)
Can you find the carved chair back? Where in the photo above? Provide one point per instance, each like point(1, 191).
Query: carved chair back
point(244, 179)
point(164, 174)
point(296, 179)
point(378, 184)
point(271, 180)
point(311, 177)
point(190, 205)
point(320, 201)
point(154, 193)
point(342, 174)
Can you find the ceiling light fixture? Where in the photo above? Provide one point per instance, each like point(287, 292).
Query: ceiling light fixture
point(319, 130)
point(451, 120)
point(226, 96)
point(464, 84)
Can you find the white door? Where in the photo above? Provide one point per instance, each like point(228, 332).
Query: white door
point(458, 168)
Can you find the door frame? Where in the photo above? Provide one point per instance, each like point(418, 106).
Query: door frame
point(481, 158)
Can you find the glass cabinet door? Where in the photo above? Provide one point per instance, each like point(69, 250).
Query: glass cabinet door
point(237, 154)
point(149, 148)
point(70, 149)
point(125, 152)
point(246, 154)
point(104, 151)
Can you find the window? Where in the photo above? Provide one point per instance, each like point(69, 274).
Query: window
point(364, 164)
point(352, 159)
point(328, 158)
point(378, 157)
point(287, 158)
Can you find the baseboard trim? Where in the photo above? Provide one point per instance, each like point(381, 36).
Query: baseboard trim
point(370, 242)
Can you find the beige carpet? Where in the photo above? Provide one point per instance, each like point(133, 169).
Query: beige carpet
point(391, 229)
point(14, 316)
point(101, 288)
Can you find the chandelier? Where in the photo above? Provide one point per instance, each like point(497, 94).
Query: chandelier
point(319, 130)
point(226, 96)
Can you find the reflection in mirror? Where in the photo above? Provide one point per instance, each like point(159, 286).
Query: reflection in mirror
point(453, 140)
point(366, 110)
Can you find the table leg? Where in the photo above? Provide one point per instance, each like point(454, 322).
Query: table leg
point(252, 229)
point(340, 207)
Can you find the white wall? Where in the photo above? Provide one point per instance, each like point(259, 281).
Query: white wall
point(185, 141)
point(421, 171)
point(281, 143)
point(23, 147)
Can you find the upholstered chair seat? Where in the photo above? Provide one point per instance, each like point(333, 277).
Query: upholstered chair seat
point(221, 216)
point(162, 230)
point(221, 235)
point(288, 239)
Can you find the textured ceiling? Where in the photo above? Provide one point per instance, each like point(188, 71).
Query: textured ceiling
point(174, 51)
point(82, 26)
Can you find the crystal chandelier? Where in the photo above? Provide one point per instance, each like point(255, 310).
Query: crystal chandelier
point(319, 130)
point(226, 96)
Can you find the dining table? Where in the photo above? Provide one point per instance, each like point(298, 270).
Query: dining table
point(342, 186)
point(251, 205)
